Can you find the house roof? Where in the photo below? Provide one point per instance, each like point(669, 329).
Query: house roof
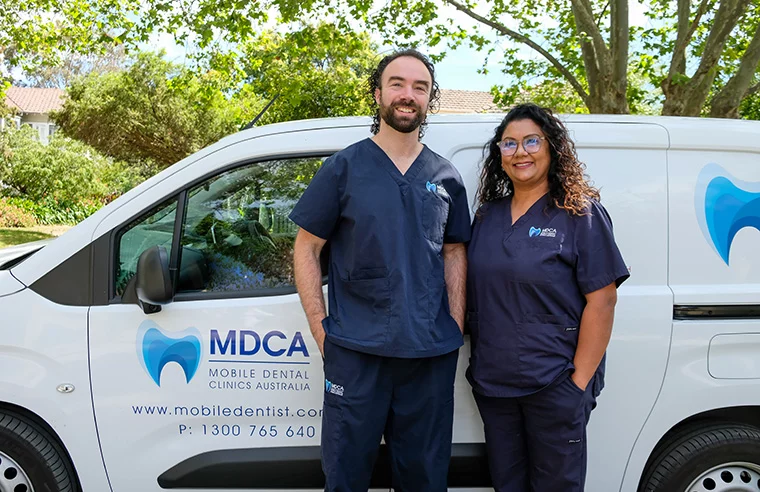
point(458, 101)
point(34, 100)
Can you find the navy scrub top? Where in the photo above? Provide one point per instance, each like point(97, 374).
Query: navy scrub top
point(387, 294)
point(526, 287)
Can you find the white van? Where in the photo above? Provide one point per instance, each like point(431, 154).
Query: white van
point(160, 344)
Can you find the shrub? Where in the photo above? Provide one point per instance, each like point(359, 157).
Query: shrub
point(63, 182)
point(48, 211)
point(13, 216)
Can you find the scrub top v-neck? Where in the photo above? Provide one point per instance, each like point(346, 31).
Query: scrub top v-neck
point(526, 290)
point(386, 230)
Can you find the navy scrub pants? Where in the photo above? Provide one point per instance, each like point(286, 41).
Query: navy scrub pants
point(408, 401)
point(537, 443)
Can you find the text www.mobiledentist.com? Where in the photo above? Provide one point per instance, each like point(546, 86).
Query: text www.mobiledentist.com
point(226, 411)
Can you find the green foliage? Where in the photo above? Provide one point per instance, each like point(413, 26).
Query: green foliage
point(154, 111)
point(59, 183)
point(34, 33)
point(160, 112)
point(49, 211)
point(14, 216)
point(750, 107)
point(318, 71)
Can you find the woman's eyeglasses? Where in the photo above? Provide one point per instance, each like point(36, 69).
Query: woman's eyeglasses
point(531, 144)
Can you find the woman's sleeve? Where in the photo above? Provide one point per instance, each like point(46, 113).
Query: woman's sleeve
point(598, 259)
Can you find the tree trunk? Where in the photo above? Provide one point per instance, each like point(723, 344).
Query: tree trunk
point(606, 67)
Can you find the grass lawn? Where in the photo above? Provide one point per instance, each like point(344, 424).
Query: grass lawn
point(13, 236)
point(10, 237)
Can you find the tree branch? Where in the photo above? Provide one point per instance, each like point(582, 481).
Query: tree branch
point(601, 14)
point(726, 18)
point(527, 41)
point(619, 41)
point(685, 33)
point(584, 20)
point(725, 104)
point(753, 90)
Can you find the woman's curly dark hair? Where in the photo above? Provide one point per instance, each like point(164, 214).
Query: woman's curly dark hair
point(568, 183)
point(375, 79)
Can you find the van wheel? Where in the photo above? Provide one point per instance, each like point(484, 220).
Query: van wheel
point(715, 458)
point(30, 460)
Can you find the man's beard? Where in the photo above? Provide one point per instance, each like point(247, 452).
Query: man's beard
point(402, 125)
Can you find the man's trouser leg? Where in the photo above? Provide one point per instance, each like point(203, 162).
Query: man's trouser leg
point(355, 409)
point(419, 428)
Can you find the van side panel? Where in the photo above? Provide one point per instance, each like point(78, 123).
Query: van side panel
point(714, 270)
point(44, 345)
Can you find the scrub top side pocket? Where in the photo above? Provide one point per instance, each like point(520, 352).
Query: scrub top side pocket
point(365, 309)
point(435, 213)
point(545, 349)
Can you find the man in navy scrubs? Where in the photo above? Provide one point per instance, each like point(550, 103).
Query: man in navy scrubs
point(396, 216)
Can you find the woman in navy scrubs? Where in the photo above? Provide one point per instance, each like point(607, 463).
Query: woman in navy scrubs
point(542, 279)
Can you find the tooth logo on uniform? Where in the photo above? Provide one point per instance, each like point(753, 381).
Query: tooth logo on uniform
point(431, 186)
point(155, 349)
point(725, 205)
point(335, 389)
point(534, 231)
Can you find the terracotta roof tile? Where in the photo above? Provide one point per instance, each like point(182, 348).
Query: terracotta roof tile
point(458, 101)
point(34, 100)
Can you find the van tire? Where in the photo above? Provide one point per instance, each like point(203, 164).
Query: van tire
point(37, 454)
point(697, 450)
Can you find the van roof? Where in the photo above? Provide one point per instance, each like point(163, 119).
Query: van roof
point(691, 133)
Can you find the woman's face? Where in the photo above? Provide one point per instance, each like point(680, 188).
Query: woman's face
point(526, 170)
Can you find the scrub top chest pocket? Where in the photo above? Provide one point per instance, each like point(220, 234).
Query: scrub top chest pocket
point(435, 213)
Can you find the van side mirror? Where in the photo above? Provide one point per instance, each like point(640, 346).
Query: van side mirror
point(153, 280)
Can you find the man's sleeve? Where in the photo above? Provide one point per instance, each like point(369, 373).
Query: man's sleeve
point(599, 262)
point(318, 210)
point(458, 225)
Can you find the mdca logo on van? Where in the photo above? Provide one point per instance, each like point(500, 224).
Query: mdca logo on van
point(724, 206)
point(156, 348)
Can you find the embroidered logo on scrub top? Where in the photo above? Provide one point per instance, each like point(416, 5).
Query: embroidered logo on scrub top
point(537, 231)
point(436, 188)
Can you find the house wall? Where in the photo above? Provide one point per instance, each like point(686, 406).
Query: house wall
point(35, 118)
point(40, 122)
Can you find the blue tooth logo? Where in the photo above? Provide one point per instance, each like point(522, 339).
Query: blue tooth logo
point(431, 186)
point(156, 349)
point(534, 231)
point(725, 205)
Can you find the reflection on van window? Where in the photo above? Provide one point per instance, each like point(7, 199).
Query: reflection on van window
point(237, 235)
point(155, 228)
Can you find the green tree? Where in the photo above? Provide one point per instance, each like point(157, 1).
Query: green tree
point(161, 112)
point(587, 44)
point(155, 111)
point(317, 71)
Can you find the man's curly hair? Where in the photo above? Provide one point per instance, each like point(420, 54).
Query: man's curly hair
point(568, 183)
point(375, 79)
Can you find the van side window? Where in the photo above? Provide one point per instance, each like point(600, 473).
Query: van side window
point(155, 228)
point(236, 231)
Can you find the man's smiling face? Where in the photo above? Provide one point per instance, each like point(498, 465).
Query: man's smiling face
point(404, 95)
